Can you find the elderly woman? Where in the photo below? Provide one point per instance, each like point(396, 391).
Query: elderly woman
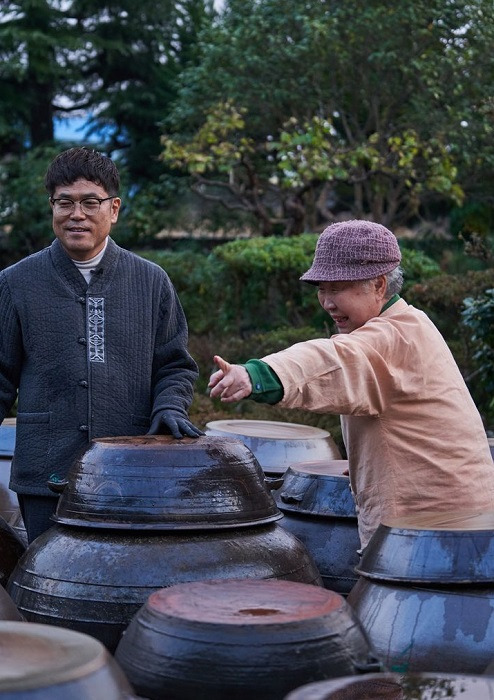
point(414, 438)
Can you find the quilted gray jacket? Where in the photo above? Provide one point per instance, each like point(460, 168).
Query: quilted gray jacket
point(86, 361)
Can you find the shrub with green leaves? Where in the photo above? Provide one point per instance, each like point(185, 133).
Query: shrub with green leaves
point(478, 317)
point(253, 285)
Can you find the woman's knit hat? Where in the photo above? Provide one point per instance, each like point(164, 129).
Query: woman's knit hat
point(353, 250)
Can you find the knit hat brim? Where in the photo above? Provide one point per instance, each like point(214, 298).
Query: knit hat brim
point(353, 250)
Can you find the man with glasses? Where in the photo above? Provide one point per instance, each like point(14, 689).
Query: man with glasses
point(93, 341)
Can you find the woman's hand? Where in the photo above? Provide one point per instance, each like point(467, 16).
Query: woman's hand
point(230, 383)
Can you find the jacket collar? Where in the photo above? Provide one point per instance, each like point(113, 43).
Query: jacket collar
point(73, 277)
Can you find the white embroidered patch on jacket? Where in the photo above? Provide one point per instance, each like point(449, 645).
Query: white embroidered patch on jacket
point(96, 329)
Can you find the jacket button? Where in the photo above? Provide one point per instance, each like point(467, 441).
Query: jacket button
point(82, 300)
point(83, 383)
point(82, 341)
point(84, 428)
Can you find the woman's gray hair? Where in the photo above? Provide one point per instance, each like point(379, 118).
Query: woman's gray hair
point(394, 282)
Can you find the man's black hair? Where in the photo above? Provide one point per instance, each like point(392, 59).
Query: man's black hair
point(86, 164)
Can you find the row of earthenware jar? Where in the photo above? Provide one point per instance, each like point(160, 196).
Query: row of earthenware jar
point(142, 513)
point(171, 552)
point(425, 594)
point(141, 518)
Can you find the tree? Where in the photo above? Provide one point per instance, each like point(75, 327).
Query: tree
point(370, 109)
point(31, 71)
point(115, 59)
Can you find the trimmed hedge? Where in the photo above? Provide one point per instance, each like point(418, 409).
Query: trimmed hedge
point(252, 286)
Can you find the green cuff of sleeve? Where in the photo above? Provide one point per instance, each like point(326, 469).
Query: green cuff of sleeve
point(266, 387)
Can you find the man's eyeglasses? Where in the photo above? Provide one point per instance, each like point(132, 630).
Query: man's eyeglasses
point(89, 205)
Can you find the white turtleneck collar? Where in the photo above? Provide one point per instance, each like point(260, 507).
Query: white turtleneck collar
point(86, 267)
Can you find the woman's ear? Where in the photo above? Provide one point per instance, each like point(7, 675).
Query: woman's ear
point(381, 286)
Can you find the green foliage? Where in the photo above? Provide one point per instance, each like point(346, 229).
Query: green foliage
point(215, 146)
point(389, 103)
point(442, 296)
point(262, 276)
point(252, 286)
point(149, 210)
point(25, 213)
point(397, 169)
point(417, 267)
point(116, 60)
point(260, 344)
point(478, 317)
point(198, 280)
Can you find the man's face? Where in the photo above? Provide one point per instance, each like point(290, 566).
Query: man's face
point(83, 235)
point(351, 304)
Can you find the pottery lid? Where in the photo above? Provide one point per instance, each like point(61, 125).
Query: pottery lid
point(276, 444)
point(7, 437)
point(241, 602)
point(449, 548)
point(38, 656)
point(395, 686)
point(154, 482)
point(317, 488)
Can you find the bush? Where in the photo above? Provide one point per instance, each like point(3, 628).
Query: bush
point(253, 286)
point(244, 299)
point(478, 317)
point(441, 297)
point(197, 278)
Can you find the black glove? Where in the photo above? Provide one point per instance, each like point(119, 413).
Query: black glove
point(175, 423)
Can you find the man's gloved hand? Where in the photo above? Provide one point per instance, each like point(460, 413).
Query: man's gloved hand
point(175, 423)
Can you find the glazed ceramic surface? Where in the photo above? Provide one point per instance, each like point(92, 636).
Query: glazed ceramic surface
point(94, 581)
point(39, 662)
point(155, 482)
point(319, 509)
point(451, 548)
point(413, 627)
point(394, 686)
point(277, 445)
point(219, 640)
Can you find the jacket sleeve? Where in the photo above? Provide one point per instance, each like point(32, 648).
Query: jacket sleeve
point(174, 370)
point(342, 374)
point(266, 387)
point(11, 351)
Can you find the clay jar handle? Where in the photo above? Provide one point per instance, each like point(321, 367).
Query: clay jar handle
point(56, 484)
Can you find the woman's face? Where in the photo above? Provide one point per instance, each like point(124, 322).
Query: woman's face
point(351, 304)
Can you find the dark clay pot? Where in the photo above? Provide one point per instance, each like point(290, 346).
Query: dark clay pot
point(426, 592)
point(94, 581)
point(9, 506)
point(394, 686)
point(39, 662)
point(8, 609)
point(11, 550)
point(218, 640)
point(412, 627)
point(277, 445)
point(154, 482)
point(319, 509)
point(452, 548)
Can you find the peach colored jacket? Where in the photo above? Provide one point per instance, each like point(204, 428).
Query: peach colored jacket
point(414, 438)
